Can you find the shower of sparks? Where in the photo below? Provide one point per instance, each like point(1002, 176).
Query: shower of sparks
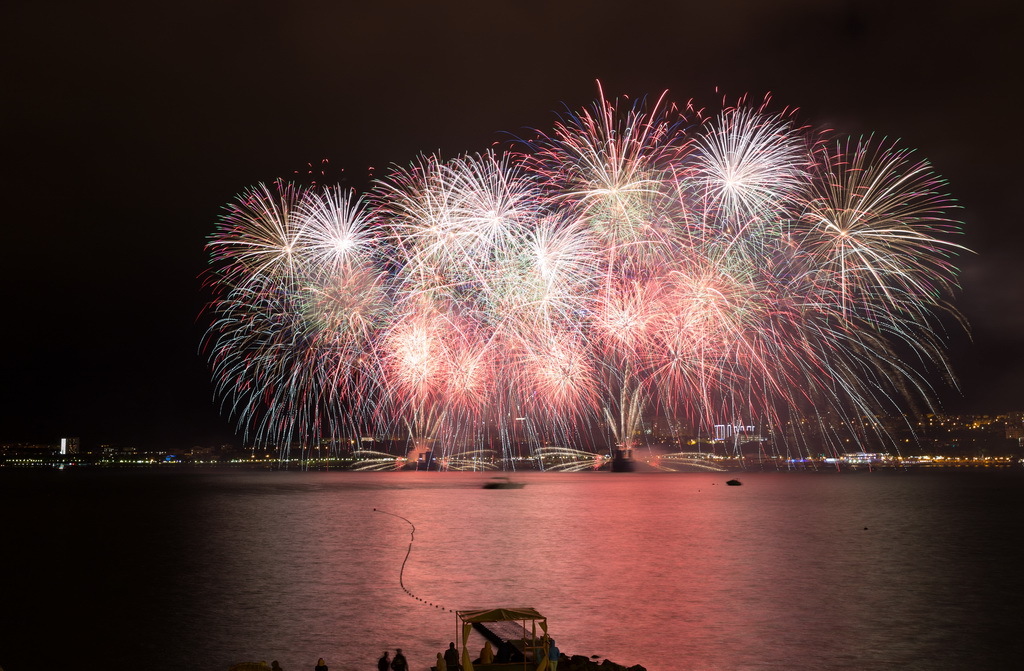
point(634, 261)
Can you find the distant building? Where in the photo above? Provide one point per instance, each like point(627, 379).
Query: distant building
point(726, 431)
point(1015, 427)
point(69, 445)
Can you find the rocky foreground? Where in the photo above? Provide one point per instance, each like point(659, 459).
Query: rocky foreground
point(581, 663)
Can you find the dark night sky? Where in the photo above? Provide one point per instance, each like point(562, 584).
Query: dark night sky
point(127, 127)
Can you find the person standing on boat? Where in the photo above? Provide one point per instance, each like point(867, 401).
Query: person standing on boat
point(399, 663)
point(451, 658)
point(487, 654)
point(553, 655)
point(384, 663)
point(441, 665)
point(508, 653)
point(321, 665)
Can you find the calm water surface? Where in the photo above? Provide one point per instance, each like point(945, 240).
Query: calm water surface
point(174, 570)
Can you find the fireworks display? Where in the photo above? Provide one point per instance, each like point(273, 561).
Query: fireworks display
point(636, 261)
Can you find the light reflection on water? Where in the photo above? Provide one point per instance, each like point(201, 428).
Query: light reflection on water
point(670, 571)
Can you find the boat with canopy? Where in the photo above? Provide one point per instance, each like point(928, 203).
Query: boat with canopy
point(521, 633)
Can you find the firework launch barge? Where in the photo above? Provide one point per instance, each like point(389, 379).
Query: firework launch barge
point(623, 462)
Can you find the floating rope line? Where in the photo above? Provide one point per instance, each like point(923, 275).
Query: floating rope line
point(401, 573)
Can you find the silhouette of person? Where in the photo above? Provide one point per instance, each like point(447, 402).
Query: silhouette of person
point(553, 655)
point(487, 654)
point(441, 666)
point(399, 663)
point(321, 665)
point(451, 658)
point(508, 653)
point(384, 663)
point(275, 666)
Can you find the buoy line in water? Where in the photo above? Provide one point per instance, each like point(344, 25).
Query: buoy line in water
point(401, 572)
point(578, 661)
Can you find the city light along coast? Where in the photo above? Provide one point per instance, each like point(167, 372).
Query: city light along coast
point(937, 441)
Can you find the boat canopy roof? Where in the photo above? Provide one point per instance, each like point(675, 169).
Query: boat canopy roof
point(499, 615)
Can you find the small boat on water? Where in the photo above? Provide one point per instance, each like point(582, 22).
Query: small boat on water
point(519, 637)
point(502, 482)
point(733, 483)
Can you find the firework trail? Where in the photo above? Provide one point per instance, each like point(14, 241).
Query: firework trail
point(634, 260)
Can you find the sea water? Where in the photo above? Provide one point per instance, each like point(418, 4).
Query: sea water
point(151, 569)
